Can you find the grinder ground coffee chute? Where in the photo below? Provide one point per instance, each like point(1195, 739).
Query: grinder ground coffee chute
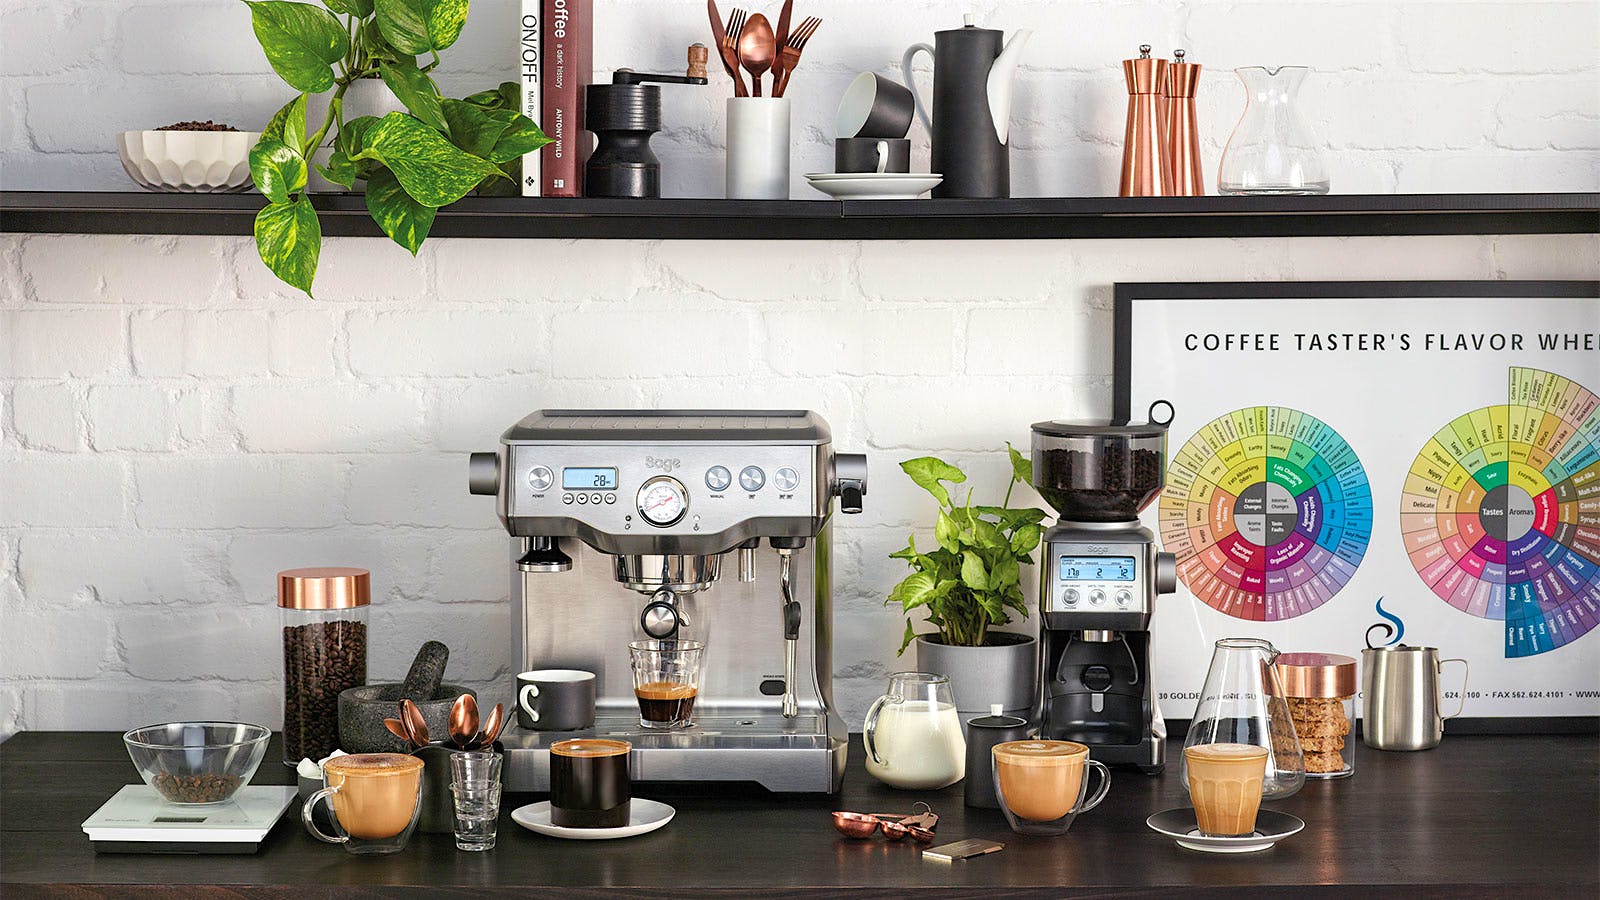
point(1100, 573)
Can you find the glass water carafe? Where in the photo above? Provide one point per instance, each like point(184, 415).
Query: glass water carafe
point(1273, 149)
point(913, 735)
point(1243, 702)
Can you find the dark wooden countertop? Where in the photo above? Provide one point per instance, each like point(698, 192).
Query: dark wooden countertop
point(1485, 815)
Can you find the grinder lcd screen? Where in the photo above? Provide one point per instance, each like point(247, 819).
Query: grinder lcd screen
point(1096, 568)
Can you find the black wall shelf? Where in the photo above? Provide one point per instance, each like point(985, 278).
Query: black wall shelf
point(1339, 215)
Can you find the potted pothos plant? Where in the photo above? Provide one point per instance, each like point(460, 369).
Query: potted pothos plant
point(411, 163)
point(968, 586)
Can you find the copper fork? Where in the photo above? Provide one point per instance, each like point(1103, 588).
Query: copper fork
point(730, 46)
point(789, 54)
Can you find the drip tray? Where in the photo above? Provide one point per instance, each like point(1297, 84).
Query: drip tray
point(784, 755)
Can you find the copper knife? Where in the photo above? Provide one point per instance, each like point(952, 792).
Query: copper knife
point(783, 41)
point(730, 62)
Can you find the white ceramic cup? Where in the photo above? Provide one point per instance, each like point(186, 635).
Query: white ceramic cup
point(758, 148)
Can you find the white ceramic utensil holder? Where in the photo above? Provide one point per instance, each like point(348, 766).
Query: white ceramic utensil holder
point(758, 148)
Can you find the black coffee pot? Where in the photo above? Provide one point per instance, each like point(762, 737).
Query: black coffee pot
point(623, 115)
point(983, 733)
point(974, 77)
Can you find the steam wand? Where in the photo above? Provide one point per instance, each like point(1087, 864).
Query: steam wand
point(791, 632)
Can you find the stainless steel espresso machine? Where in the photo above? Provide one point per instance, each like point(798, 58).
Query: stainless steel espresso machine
point(1100, 574)
point(622, 521)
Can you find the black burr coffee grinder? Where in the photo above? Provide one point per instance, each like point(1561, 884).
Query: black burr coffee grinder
point(1100, 573)
point(623, 115)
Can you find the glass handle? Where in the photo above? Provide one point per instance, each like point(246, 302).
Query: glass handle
point(871, 728)
point(1460, 707)
point(311, 824)
point(1101, 791)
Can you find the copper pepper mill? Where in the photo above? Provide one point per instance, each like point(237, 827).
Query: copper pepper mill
point(1143, 145)
point(1184, 178)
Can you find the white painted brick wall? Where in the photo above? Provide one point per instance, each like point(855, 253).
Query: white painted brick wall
point(175, 426)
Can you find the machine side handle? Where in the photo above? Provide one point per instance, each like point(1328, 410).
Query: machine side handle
point(1166, 573)
point(850, 480)
point(483, 473)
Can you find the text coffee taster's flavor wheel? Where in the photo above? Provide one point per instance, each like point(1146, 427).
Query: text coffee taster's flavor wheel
point(1268, 511)
point(1501, 512)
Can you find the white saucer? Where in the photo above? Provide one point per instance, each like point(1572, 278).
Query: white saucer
point(874, 185)
point(644, 816)
point(1180, 825)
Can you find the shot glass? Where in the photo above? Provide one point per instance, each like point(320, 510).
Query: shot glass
point(477, 815)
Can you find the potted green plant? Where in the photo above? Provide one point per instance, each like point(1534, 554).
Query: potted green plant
point(411, 162)
point(969, 586)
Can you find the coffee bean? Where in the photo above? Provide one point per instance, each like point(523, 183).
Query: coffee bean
point(1110, 484)
point(319, 660)
point(196, 788)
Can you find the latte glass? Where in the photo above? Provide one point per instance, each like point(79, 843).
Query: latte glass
point(1043, 785)
point(1225, 785)
point(375, 799)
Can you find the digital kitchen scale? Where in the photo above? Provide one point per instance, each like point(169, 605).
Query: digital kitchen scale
point(137, 820)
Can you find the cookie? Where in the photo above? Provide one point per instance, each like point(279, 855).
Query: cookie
point(1324, 763)
point(1320, 744)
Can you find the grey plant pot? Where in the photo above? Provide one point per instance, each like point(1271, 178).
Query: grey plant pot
point(1004, 672)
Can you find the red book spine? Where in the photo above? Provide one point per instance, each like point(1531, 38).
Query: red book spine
point(568, 67)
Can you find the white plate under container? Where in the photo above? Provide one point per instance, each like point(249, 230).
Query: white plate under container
point(1180, 825)
point(874, 185)
point(644, 816)
point(188, 162)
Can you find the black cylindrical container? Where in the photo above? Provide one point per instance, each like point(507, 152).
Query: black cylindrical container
point(983, 733)
point(966, 150)
point(623, 117)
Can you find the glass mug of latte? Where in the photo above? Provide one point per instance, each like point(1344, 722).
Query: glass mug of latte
point(375, 799)
point(666, 679)
point(1043, 785)
point(1225, 785)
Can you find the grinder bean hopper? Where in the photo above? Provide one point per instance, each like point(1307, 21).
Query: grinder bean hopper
point(1100, 573)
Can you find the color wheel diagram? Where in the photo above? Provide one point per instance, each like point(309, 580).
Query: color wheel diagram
point(1268, 511)
point(1501, 512)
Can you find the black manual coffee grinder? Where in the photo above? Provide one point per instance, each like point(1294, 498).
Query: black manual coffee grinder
point(623, 115)
point(1100, 573)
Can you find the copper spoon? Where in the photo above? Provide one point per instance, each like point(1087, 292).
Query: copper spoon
point(757, 48)
point(463, 721)
point(491, 729)
point(417, 725)
point(398, 729)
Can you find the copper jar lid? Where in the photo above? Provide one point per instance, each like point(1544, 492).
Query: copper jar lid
point(327, 587)
point(1317, 674)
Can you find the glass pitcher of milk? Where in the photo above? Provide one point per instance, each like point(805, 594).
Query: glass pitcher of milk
point(913, 735)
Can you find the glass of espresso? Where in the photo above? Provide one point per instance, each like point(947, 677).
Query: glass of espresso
point(666, 679)
point(1225, 784)
point(589, 783)
point(1042, 786)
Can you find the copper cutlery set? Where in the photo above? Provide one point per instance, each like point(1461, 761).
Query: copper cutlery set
point(749, 42)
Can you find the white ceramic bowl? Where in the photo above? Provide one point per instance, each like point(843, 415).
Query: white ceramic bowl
point(191, 162)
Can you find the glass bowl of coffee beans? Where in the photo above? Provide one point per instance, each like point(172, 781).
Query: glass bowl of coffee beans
point(197, 763)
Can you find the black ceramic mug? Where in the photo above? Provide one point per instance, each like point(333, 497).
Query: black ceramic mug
point(555, 699)
point(875, 107)
point(861, 154)
point(983, 733)
point(589, 783)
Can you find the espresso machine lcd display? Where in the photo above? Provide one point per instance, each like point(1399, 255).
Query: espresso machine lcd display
point(1096, 568)
point(634, 550)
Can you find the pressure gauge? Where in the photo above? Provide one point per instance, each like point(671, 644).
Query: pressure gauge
point(663, 501)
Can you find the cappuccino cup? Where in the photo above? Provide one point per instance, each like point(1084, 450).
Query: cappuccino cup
point(1043, 786)
point(375, 799)
point(1225, 784)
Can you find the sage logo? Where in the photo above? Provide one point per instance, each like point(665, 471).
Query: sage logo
point(665, 464)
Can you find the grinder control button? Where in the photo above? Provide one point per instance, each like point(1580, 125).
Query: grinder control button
point(1097, 596)
point(1070, 596)
point(1124, 598)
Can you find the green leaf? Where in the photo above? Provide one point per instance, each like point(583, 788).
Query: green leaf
point(340, 169)
point(928, 471)
point(403, 219)
point(473, 128)
point(1005, 574)
point(914, 591)
point(972, 572)
point(277, 169)
point(445, 21)
point(1021, 466)
point(947, 533)
point(289, 239)
point(1024, 539)
point(289, 123)
point(432, 170)
point(358, 8)
point(906, 639)
point(507, 96)
point(353, 135)
point(404, 24)
point(302, 42)
point(416, 90)
point(520, 137)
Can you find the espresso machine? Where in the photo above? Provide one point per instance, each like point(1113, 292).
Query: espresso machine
point(621, 524)
point(1100, 573)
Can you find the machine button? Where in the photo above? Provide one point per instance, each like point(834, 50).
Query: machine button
point(752, 479)
point(1097, 678)
point(718, 478)
point(786, 479)
point(540, 478)
point(596, 498)
point(771, 687)
point(610, 499)
point(583, 498)
point(1071, 596)
point(566, 498)
point(1097, 596)
point(1124, 598)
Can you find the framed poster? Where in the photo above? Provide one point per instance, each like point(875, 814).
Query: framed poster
point(1420, 455)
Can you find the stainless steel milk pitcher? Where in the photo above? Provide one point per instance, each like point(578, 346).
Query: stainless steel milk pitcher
point(1401, 695)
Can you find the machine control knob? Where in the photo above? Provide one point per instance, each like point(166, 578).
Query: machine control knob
point(1166, 573)
point(752, 479)
point(718, 478)
point(1124, 598)
point(660, 618)
point(1070, 596)
point(1097, 597)
point(1097, 678)
point(540, 478)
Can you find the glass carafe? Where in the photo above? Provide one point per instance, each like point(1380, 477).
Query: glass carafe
point(913, 735)
point(1273, 149)
point(1243, 702)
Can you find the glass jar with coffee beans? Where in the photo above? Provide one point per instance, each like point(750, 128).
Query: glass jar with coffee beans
point(323, 612)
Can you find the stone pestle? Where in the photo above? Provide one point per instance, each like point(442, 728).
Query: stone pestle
point(427, 672)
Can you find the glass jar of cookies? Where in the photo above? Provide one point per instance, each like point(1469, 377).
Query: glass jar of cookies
point(1321, 691)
